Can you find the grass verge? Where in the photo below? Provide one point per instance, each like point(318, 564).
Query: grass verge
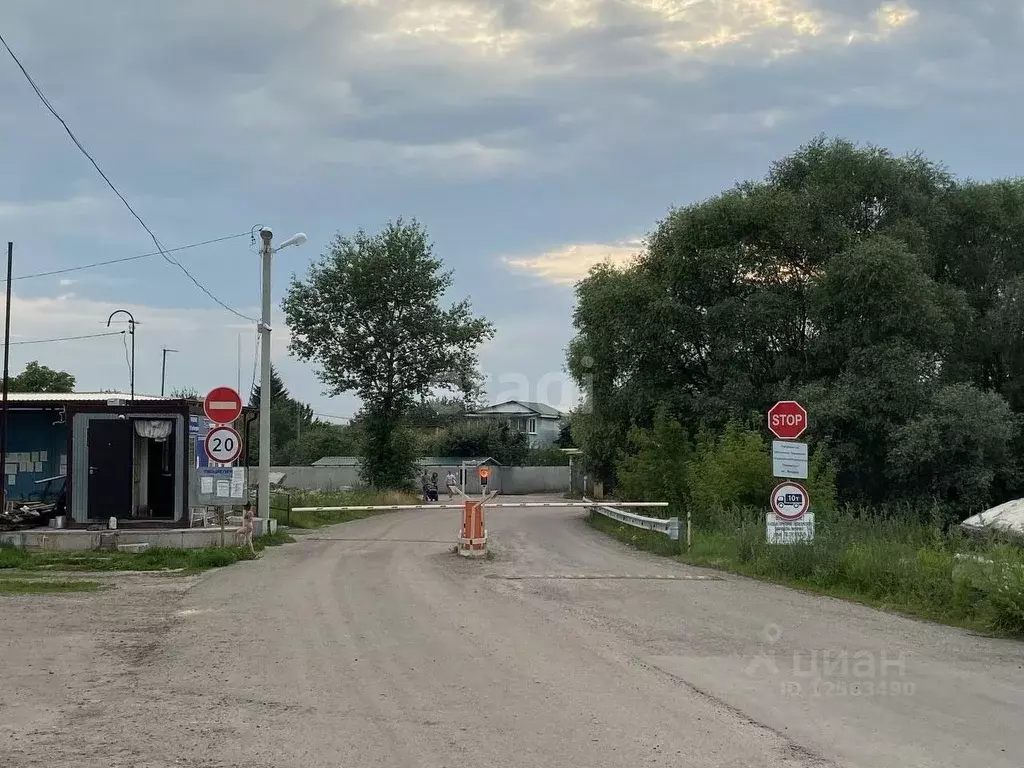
point(914, 569)
point(318, 519)
point(156, 559)
point(42, 587)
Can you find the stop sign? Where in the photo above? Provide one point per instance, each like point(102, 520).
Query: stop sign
point(787, 419)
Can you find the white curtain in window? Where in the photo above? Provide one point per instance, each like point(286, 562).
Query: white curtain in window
point(153, 429)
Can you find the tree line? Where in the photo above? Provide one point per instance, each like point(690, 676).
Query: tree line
point(882, 292)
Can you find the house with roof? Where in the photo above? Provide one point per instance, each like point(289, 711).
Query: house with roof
point(539, 422)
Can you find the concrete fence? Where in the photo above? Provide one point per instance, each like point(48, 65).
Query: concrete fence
point(506, 480)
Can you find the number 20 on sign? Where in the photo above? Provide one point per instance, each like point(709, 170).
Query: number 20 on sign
point(223, 444)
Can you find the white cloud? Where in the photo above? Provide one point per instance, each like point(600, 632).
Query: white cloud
point(567, 264)
point(464, 157)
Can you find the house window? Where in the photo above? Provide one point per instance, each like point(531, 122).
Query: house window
point(531, 426)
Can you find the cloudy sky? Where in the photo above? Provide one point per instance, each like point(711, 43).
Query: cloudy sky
point(532, 139)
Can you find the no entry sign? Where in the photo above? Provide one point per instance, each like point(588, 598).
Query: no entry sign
point(787, 419)
point(222, 405)
point(223, 444)
point(789, 501)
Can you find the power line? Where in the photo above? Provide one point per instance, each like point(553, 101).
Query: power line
point(84, 151)
point(126, 258)
point(127, 360)
point(70, 338)
point(332, 416)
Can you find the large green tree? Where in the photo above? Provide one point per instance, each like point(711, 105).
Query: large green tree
point(880, 290)
point(41, 378)
point(369, 314)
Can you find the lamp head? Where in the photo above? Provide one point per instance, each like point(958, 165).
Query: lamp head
point(296, 239)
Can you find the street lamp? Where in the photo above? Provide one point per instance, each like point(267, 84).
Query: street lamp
point(131, 332)
point(163, 369)
point(266, 252)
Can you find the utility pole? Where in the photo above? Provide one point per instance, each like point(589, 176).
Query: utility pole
point(266, 254)
point(163, 370)
point(7, 349)
point(263, 490)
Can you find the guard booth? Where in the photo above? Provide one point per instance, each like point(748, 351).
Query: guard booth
point(102, 455)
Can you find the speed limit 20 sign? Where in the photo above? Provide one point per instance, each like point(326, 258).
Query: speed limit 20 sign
point(223, 444)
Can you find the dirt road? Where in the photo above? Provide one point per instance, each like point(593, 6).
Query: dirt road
point(370, 644)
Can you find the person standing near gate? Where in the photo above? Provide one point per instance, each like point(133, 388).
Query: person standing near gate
point(451, 482)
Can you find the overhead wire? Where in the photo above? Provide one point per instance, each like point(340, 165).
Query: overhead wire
point(127, 360)
point(124, 259)
point(70, 338)
point(116, 191)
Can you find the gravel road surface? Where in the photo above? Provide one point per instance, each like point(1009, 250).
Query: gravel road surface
point(371, 644)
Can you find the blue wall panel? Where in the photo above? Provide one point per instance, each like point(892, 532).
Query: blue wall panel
point(30, 434)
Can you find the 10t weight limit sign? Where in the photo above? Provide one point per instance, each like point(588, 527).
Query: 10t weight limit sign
point(223, 444)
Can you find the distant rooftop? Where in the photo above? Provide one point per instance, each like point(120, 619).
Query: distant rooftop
point(79, 397)
point(541, 409)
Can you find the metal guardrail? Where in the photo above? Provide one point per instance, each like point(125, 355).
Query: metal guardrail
point(668, 526)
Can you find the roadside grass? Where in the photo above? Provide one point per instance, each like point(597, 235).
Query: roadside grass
point(156, 559)
point(893, 564)
point(354, 498)
point(45, 587)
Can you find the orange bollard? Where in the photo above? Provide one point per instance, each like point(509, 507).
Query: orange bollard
point(473, 539)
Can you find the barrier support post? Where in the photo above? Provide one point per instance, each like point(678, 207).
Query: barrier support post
point(473, 537)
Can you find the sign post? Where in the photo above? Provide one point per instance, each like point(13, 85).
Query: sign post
point(222, 485)
point(790, 520)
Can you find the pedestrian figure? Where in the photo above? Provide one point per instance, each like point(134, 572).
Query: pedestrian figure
point(451, 482)
point(245, 530)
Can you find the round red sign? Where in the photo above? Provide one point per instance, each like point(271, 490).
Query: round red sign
point(790, 501)
point(787, 419)
point(223, 444)
point(222, 405)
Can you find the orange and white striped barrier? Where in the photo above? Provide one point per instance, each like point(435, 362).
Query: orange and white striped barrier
point(473, 536)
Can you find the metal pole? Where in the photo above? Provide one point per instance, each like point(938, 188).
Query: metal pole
point(163, 370)
point(263, 491)
point(131, 332)
point(7, 349)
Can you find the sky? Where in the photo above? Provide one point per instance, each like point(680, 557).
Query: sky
point(531, 139)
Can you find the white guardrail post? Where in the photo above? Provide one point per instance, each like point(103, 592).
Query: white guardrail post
point(669, 526)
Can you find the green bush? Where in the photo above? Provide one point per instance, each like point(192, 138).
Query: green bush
point(731, 468)
point(477, 439)
point(657, 466)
